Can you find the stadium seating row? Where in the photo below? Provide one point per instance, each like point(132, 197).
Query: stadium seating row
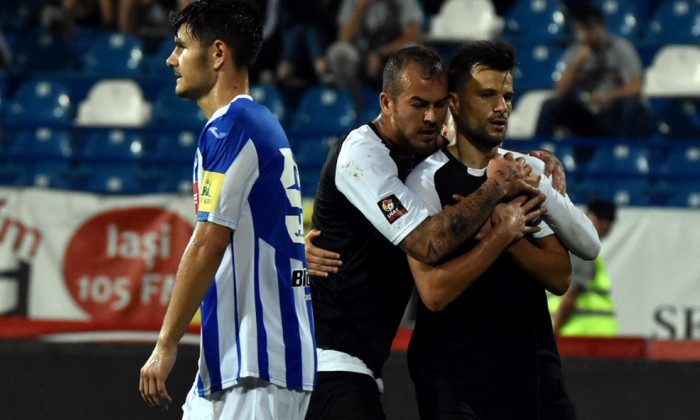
point(121, 103)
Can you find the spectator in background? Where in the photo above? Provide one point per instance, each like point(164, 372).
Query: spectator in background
point(147, 20)
point(307, 30)
point(587, 307)
point(263, 70)
point(599, 92)
point(93, 13)
point(369, 31)
point(5, 53)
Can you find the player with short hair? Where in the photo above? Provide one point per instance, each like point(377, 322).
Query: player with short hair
point(372, 219)
point(245, 263)
point(483, 345)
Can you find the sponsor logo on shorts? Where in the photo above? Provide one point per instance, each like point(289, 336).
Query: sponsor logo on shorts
point(392, 208)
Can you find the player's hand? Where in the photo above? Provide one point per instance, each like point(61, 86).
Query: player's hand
point(320, 262)
point(553, 168)
point(515, 217)
point(153, 375)
point(510, 175)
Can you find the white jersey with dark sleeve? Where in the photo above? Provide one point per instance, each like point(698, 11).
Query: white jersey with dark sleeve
point(367, 175)
point(570, 224)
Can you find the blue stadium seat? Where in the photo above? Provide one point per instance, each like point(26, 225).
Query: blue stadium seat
point(171, 111)
point(620, 159)
point(622, 17)
point(115, 179)
point(536, 20)
point(178, 178)
point(178, 147)
point(324, 110)
point(41, 50)
point(45, 102)
point(113, 55)
point(631, 191)
point(42, 142)
point(269, 96)
point(115, 144)
point(682, 161)
point(60, 174)
point(677, 118)
point(311, 151)
point(674, 22)
point(585, 188)
point(309, 180)
point(13, 173)
point(537, 65)
point(685, 193)
point(16, 16)
point(154, 63)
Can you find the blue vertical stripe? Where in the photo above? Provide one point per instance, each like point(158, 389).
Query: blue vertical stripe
point(210, 339)
point(263, 357)
point(290, 323)
point(237, 321)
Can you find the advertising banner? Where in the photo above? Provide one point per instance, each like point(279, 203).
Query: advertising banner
point(83, 263)
point(89, 260)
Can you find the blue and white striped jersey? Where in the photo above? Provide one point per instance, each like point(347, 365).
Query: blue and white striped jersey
point(257, 317)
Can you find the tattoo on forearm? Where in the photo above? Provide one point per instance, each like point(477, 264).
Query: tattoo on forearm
point(442, 233)
point(458, 225)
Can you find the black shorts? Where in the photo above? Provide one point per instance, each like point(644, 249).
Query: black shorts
point(345, 396)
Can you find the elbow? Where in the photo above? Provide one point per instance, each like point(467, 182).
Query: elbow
point(560, 287)
point(435, 302)
point(590, 252)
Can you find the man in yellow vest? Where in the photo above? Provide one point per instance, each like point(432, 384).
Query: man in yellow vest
point(587, 308)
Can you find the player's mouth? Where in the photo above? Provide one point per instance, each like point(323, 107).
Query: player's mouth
point(500, 124)
point(428, 135)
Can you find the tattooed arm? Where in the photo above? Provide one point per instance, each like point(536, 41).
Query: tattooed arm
point(437, 236)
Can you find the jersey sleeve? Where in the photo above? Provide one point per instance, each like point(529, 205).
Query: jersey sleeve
point(563, 218)
point(229, 168)
point(367, 175)
point(582, 272)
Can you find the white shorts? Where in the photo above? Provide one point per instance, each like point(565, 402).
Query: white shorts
point(250, 398)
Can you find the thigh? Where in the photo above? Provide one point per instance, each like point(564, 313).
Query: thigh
point(555, 403)
point(345, 396)
point(196, 407)
point(440, 398)
point(251, 398)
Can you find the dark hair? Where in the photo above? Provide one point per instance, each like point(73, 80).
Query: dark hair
point(588, 16)
point(603, 209)
point(427, 57)
point(493, 54)
point(235, 22)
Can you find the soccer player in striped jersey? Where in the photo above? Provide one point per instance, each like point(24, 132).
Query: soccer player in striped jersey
point(245, 263)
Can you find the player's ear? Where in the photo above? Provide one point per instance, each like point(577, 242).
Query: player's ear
point(219, 53)
point(385, 101)
point(453, 101)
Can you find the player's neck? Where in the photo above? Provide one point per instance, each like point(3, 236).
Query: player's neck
point(226, 88)
point(471, 155)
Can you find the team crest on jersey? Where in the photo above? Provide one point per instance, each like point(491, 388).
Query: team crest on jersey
point(392, 208)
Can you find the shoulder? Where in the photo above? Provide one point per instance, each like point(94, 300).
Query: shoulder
point(429, 165)
point(421, 180)
point(363, 147)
